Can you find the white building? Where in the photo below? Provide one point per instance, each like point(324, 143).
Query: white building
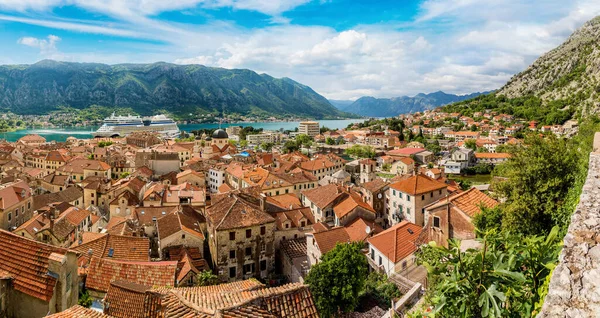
point(310, 128)
point(216, 178)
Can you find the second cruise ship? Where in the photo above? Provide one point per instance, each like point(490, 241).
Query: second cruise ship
point(121, 126)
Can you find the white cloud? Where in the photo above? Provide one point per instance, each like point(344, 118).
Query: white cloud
point(46, 46)
point(459, 46)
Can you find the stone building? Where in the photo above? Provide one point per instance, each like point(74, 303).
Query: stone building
point(143, 139)
point(409, 197)
point(241, 235)
point(16, 204)
point(36, 279)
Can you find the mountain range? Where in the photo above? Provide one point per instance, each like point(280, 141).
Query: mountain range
point(388, 107)
point(149, 88)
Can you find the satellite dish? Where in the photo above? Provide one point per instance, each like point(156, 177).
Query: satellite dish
point(368, 230)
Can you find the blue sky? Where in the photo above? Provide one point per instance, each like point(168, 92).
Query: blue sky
point(343, 49)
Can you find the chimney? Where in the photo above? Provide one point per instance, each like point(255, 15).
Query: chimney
point(263, 201)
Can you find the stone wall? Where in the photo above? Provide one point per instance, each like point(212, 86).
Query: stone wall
point(574, 289)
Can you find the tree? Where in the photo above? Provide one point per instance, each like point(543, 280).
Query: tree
point(503, 278)
point(85, 300)
point(536, 181)
point(360, 151)
point(206, 278)
point(378, 287)
point(304, 140)
point(330, 141)
point(386, 167)
point(124, 175)
point(290, 146)
point(338, 279)
point(244, 143)
point(471, 144)
point(267, 146)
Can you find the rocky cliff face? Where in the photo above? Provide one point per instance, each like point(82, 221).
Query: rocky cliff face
point(569, 72)
point(147, 88)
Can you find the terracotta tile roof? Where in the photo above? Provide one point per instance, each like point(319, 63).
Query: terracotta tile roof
point(35, 224)
point(407, 161)
point(357, 229)
point(27, 261)
point(296, 176)
point(79, 312)
point(147, 215)
point(327, 240)
point(323, 196)
point(126, 299)
point(78, 165)
point(418, 184)
point(285, 201)
point(317, 164)
point(14, 193)
point(130, 199)
point(469, 202)
point(237, 209)
point(295, 217)
point(175, 222)
point(32, 138)
point(55, 155)
point(69, 194)
point(491, 155)
point(102, 271)
point(405, 151)
point(294, 248)
point(398, 242)
point(117, 247)
point(224, 188)
point(375, 185)
point(291, 300)
point(351, 202)
point(55, 179)
point(320, 227)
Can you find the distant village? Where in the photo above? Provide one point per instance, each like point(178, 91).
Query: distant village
point(133, 223)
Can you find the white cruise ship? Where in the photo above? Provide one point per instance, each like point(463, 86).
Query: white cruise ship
point(121, 126)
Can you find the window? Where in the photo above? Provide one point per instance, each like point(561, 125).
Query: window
point(408, 198)
point(92, 195)
point(249, 268)
point(9, 217)
point(232, 254)
point(440, 192)
point(263, 247)
point(248, 251)
point(183, 236)
point(372, 254)
point(232, 273)
point(380, 261)
point(423, 197)
point(248, 233)
point(263, 230)
point(431, 194)
point(16, 212)
point(263, 265)
point(232, 236)
point(408, 211)
point(303, 224)
point(436, 221)
point(394, 193)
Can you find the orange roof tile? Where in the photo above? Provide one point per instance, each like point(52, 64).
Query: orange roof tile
point(397, 242)
point(102, 271)
point(418, 184)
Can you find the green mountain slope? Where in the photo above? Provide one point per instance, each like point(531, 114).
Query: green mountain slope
point(147, 88)
point(561, 84)
point(570, 72)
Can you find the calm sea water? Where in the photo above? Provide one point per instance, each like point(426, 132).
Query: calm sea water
point(61, 134)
